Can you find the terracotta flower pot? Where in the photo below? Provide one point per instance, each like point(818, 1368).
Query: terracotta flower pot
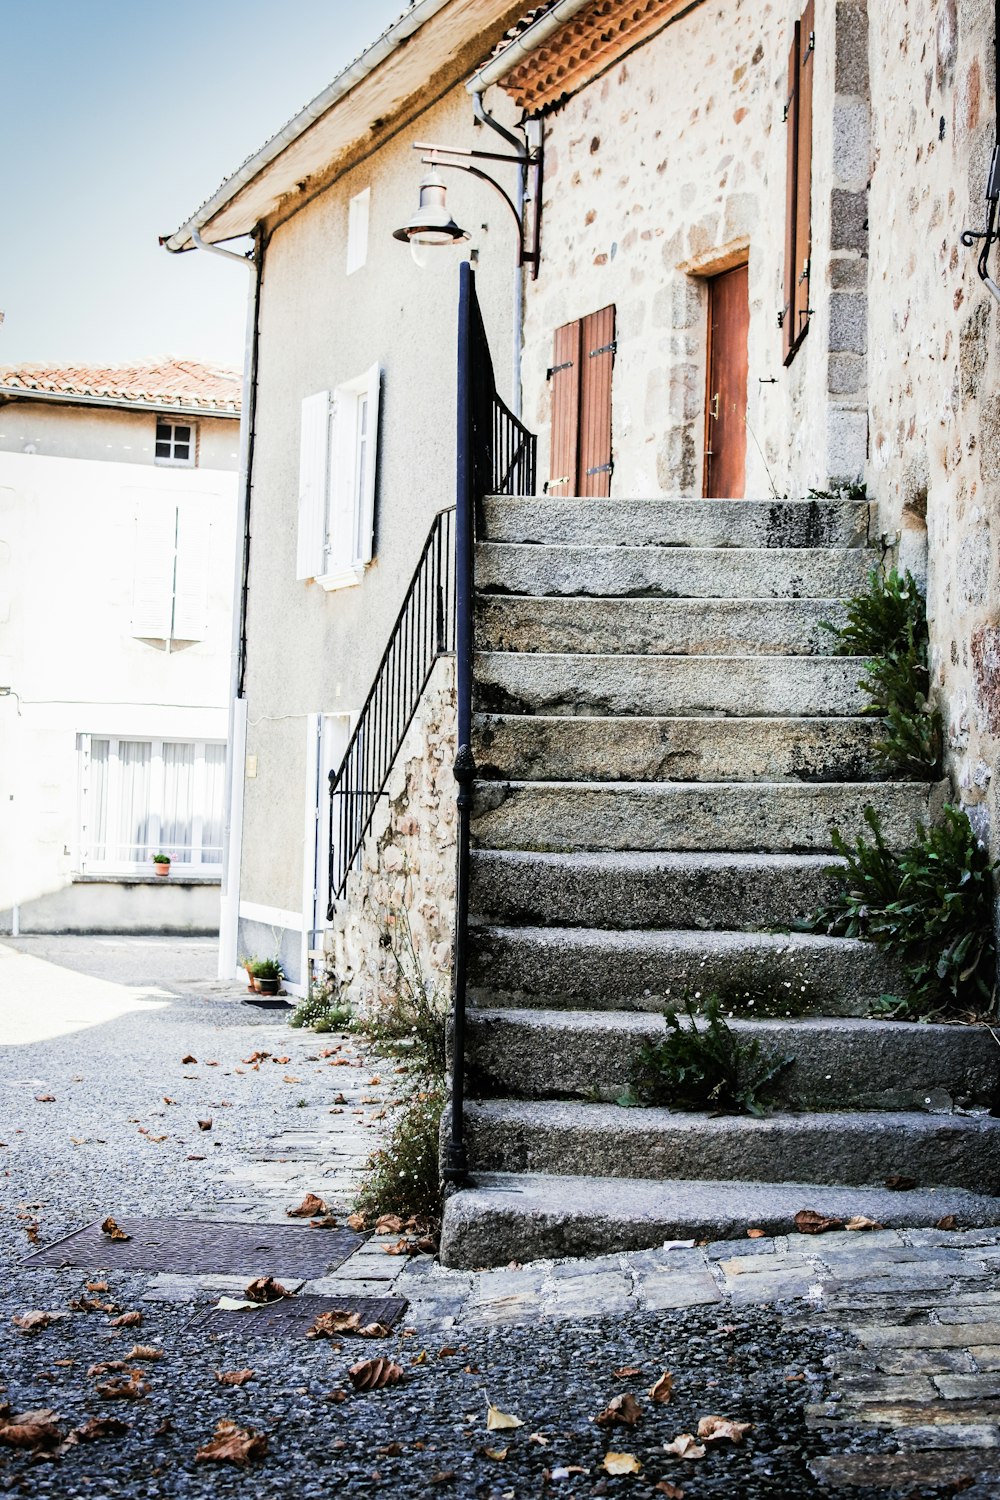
point(162, 870)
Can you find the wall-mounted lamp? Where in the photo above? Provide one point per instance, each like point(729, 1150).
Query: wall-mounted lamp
point(432, 224)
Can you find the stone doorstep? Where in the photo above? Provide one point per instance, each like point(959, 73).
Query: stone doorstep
point(927, 1335)
point(659, 1292)
point(897, 1471)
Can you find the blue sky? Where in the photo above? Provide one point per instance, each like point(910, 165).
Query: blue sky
point(121, 118)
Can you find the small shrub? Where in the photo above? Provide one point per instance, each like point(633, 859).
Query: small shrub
point(323, 1010)
point(403, 1175)
point(264, 968)
point(705, 1067)
point(931, 902)
point(417, 1015)
point(888, 624)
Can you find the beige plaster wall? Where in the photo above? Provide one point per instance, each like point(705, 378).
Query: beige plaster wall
point(309, 650)
point(59, 430)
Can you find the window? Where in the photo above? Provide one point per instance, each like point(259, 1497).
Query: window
point(337, 472)
point(580, 451)
point(357, 231)
point(170, 571)
point(176, 443)
point(794, 317)
point(141, 797)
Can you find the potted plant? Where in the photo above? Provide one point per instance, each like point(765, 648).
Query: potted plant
point(248, 964)
point(161, 864)
point(267, 976)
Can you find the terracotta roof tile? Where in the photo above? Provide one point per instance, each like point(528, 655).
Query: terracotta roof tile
point(181, 382)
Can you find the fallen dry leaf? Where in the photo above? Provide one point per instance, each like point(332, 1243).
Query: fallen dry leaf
point(622, 1411)
point(500, 1421)
point(663, 1389)
point(563, 1471)
point(310, 1207)
point(144, 1351)
point(389, 1224)
point(684, 1446)
point(281, 1060)
point(127, 1320)
point(536, 1437)
point(948, 1222)
point(753, 1234)
point(132, 1389)
point(288, 1078)
point(256, 1057)
point(447, 1351)
point(808, 1221)
point(187, 1059)
point(328, 1324)
point(234, 1377)
point(720, 1429)
point(402, 1247)
point(266, 1289)
point(38, 1431)
point(45, 1098)
point(113, 1230)
point(232, 1445)
point(499, 1454)
point(672, 1491)
point(204, 1124)
point(328, 1221)
point(625, 1372)
point(95, 1286)
point(860, 1221)
point(92, 1304)
point(357, 1221)
point(34, 1322)
point(98, 1427)
point(106, 1367)
point(620, 1463)
point(167, 1100)
point(374, 1374)
point(391, 1450)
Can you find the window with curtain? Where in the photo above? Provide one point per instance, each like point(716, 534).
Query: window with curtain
point(145, 797)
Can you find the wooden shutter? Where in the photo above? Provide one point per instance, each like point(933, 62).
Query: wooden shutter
point(153, 570)
point(798, 176)
point(565, 378)
point(597, 355)
point(191, 579)
point(314, 472)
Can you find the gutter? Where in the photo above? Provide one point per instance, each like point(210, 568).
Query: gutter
point(12, 393)
point(522, 46)
point(399, 32)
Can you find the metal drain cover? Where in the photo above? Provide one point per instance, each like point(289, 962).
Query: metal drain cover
point(292, 1316)
point(201, 1247)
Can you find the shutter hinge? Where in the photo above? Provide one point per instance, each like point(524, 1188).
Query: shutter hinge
point(554, 369)
point(601, 469)
point(604, 349)
point(812, 45)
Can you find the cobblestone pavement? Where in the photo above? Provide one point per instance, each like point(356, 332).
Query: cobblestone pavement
point(868, 1364)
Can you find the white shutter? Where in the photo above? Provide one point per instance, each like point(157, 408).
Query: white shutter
point(153, 570)
point(191, 582)
point(341, 540)
point(314, 469)
point(364, 520)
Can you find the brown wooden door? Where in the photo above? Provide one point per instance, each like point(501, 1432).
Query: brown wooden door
point(580, 451)
point(725, 418)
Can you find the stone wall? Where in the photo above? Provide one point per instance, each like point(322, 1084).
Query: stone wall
point(408, 863)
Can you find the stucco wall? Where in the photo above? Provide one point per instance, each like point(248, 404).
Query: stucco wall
point(671, 166)
point(58, 430)
point(309, 650)
point(175, 905)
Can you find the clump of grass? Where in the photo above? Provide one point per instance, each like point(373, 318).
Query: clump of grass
point(705, 1066)
point(931, 903)
point(324, 1009)
point(416, 1015)
point(403, 1175)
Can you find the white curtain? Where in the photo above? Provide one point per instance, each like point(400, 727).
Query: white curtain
point(212, 813)
point(177, 813)
point(97, 812)
point(134, 758)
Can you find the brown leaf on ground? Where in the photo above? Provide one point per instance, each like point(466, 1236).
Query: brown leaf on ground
point(144, 1352)
point(402, 1247)
point(281, 1060)
point(374, 1374)
point(92, 1304)
point(808, 1221)
point(861, 1222)
point(672, 1491)
point(132, 1389)
point(357, 1221)
point(288, 1078)
point(443, 1476)
point(625, 1372)
point(328, 1324)
point(266, 1289)
point(232, 1445)
point(107, 1367)
point(621, 1463)
point(684, 1446)
point(756, 1234)
point(37, 1431)
point(234, 1377)
point(500, 1421)
point(373, 1331)
point(187, 1059)
point(204, 1124)
point(622, 1411)
point(900, 1184)
point(389, 1224)
point(663, 1388)
point(948, 1222)
point(328, 1221)
point(95, 1286)
point(309, 1208)
point(99, 1427)
point(498, 1454)
point(114, 1230)
point(256, 1057)
point(167, 1100)
point(447, 1351)
point(391, 1450)
point(127, 1320)
point(45, 1098)
point(34, 1322)
point(722, 1429)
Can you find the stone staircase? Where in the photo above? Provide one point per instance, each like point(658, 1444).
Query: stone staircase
point(663, 750)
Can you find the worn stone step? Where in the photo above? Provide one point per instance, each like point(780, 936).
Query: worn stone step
point(858, 1148)
point(714, 627)
point(543, 747)
point(582, 968)
point(673, 572)
point(778, 817)
point(678, 523)
point(506, 1217)
point(838, 1064)
point(682, 686)
point(631, 890)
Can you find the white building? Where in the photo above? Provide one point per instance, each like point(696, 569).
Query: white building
point(117, 540)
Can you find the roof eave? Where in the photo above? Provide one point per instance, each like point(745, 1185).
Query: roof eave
point(175, 408)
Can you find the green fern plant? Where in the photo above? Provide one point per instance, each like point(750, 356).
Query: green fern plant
point(705, 1066)
point(931, 902)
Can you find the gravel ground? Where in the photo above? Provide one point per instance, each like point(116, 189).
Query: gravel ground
point(107, 1057)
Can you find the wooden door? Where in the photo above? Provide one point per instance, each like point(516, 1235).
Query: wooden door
point(726, 407)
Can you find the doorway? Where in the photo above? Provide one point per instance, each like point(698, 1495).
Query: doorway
point(726, 400)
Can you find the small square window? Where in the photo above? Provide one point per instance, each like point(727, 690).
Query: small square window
point(357, 231)
point(175, 443)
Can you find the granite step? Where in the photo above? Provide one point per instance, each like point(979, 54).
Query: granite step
point(677, 523)
point(742, 687)
point(557, 747)
point(582, 968)
point(716, 627)
point(861, 1148)
point(506, 1217)
point(748, 817)
point(631, 890)
point(838, 1064)
point(672, 572)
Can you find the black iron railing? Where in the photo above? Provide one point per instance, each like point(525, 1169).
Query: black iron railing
point(424, 630)
point(495, 455)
